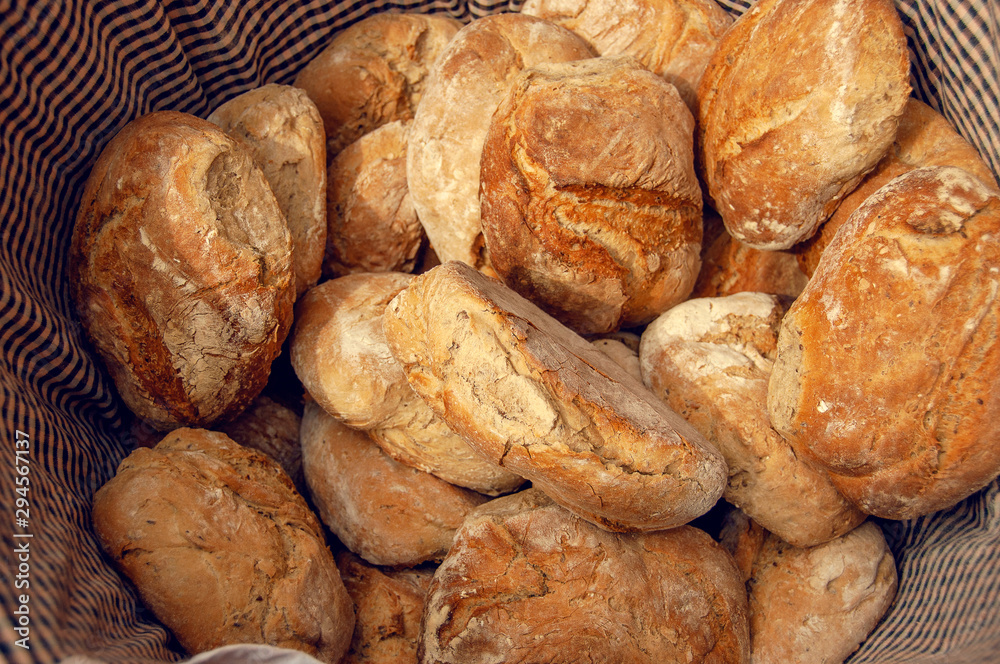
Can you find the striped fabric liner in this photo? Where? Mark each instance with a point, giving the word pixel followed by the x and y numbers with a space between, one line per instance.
pixel 73 72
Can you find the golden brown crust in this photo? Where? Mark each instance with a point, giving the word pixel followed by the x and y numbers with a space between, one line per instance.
pixel 709 359
pixel 887 362
pixel 222 548
pixel 372 226
pixel 374 72
pixel 284 132
pixel 800 100
pixel 541 401
pixel 818 604
pixel 590 203
pixel 387 513
pixel 389 605
pixel 925 138
pixel 526 581
pixel 446 139
pixel 671 38
pixel 181 271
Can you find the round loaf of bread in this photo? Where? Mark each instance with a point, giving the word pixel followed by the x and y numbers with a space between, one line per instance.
pixel 374 72
pixel 729 267
pixel 284 132
pixel 590 203
pixel 181 270
pixel 388 604
pixel 387 513
pixel 801 99
pixel 446 140
pixel 526 581
pixel 372 226
pixel 817 604
pixel 671 38
pixel 541 401
pixel 339 352
pixel 925 138
pixel 272 428
pixel 222 548
pixel 710 360
pixel 888 363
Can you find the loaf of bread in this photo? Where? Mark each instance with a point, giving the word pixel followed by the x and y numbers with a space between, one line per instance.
pixel 729 266
pixel 801 99
pixel 526 581
pixel 272 428
pixel 541 401
pixel 671 38
pixel 372 226
pixel 710 359
pixel 284 132
pixel 180 267
pixel 815 604
pixel 590 204
pixel 339 352
pixel 222 548
pixel 924 138
pixel 446 140
pixel 888 363
pixel 387 513
pixel 389 604
pixel 623 348
pixel 374 72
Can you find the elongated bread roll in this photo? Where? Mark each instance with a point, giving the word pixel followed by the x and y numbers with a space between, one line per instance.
pixel 541 401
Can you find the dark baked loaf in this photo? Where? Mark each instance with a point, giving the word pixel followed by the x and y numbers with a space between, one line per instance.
pixel 222 548
pixel 526 582
pixel 181 270
pixel 801 99
pixel 888 363
pixel 590 204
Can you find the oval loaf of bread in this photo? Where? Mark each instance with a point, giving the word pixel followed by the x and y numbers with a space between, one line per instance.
pixel 801 99
pixel 888 365
pixel 181 270
pixel 541 401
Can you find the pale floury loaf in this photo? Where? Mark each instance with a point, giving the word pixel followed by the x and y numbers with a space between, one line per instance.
pixel 446 140
pixel 284 132
pixel 801 99
pixel 888 362
pixel 339 352
pixel 374 72
pixel 812 605
pixel 222 548
pixel 527 581
pixel 710 360
pixel 541 401
pixel 590 204
pixel 181 270
pixel 671 38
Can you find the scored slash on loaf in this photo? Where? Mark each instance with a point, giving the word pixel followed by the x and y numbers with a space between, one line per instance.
pixel 541 401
